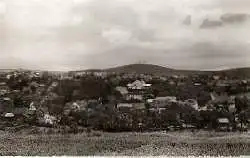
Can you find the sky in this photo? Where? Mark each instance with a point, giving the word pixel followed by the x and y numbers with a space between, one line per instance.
pixel 83 34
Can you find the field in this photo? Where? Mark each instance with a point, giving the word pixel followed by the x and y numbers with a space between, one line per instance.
pixel 131 144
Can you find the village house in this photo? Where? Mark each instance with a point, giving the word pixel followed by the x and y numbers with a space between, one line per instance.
pixel 136 90
pixel 19 114
pixel 54 84
pixel 138 97
pixel 223 124
pixel 138 85
pixel 80 73
pixel 32 107
pixel 216 77
pixel 65 76
pixel 157 110
pixel 131 106
pixel 139 106
pixel 6 104
pixel 197 84
pixel 47 120
pixel 123 91
pixel 8 116
pixel 4 89
pixel 207 107
pixel 192 103
pixel 101 74
pixel 171 82
pixel 124 106
pixel 219 98
pixel 162 102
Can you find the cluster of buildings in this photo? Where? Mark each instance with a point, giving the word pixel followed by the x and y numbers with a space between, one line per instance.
pixel 25 92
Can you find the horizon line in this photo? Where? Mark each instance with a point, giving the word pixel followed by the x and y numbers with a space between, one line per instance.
pixel 103 69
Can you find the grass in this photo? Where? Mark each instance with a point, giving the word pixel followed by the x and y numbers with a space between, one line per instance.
pixel 130 144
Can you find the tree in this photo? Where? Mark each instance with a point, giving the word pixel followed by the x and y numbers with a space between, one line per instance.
pixel 243 118
pixel 241 103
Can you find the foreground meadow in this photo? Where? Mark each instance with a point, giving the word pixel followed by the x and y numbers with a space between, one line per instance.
pixel 131 144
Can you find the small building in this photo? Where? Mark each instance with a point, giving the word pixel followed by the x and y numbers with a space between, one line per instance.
pixel 6 99
pixel 54 84
pixel 223 120
pixel 122 90
pixel 193 103
pixel 197 84
pixel 150 100
pixel 47 120
pixel 9 115
pixel 161 110
pixel 219 99
pixel 139 106
pixel 232 108
pixel 32 107
pixel 2 84
pixel 138 85
pixel 124 105
pixel 223 124
pixel 162 102
pixel 216 77
pixel 134 97
pixel 131 106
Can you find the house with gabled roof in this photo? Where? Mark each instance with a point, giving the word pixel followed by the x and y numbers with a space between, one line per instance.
pixel 138 85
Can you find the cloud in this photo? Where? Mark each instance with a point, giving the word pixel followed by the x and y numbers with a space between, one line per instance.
pixel 211 24
pixel 116 35
pixel 232 18
pixel 187 20
pixel 93 33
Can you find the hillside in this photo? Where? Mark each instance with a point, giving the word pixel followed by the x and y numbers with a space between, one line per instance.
pixel 237 72
pixel 160 70
pixel 152 69
pixel 141 68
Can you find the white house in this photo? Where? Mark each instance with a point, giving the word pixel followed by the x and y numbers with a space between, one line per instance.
pixel 138 85
pixel 122 90
pixel 32 107
pixel 9 115
pixel 124 105
pixel 134 97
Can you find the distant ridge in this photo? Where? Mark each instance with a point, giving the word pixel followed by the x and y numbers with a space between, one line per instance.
pixel 243 72
pixel 146 69
pixel 165 71
pixel 153 69
pixel 140 68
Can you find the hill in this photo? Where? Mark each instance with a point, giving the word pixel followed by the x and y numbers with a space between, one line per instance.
pixel 236 72
pixel 160 70
pixel 152 69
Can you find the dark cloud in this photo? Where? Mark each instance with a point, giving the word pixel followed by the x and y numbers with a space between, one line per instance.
pixel 231 18
pixel 207 24
pixel 144 35
pixel 210 51
pixel 187 20
pixel 225 19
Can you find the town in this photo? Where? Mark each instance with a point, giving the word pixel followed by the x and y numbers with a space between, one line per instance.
pixel 114 102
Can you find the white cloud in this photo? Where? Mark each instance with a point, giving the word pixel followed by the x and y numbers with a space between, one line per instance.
pixel 59 31
pixel 117 35
pixel 2 8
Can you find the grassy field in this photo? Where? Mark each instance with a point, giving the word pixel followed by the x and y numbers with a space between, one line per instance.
pixel 131 144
